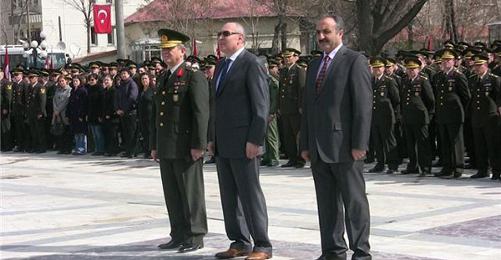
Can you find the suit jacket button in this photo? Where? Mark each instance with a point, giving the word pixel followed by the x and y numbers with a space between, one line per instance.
pixel 161 124
pixel 163 103
pixel 161 113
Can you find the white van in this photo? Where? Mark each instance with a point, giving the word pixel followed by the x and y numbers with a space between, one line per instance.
pixel 57 56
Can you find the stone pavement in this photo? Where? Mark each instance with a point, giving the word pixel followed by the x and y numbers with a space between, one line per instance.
pixel 67 207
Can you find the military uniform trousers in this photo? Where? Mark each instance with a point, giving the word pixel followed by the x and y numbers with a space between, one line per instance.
pixel 451 146
pixel 290 128
pixel 128 123
pixel 183 187
pixel 272 147
pixel 20 132
pixel 385 145
pixel 488 145
pixel 418 147
pixel 37 133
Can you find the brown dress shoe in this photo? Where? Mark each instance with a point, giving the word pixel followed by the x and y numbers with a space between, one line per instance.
pixel 232 253
pixel 258 256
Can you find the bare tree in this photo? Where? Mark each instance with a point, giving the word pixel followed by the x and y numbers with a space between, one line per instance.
pixel 85 7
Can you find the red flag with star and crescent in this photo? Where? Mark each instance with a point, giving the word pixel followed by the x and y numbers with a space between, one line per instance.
pixel 102 18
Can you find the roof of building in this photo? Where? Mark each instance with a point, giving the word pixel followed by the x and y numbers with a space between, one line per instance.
pixel 158 10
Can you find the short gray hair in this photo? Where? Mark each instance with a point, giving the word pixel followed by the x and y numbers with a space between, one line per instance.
pixel 239 28
pixel 338 19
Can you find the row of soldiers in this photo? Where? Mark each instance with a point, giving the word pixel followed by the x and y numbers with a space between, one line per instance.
pixel 425 104
pixel 124 108
pixel 439 103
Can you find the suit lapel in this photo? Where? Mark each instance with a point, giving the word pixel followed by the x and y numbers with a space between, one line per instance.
pixel 231 71
pixel 338 58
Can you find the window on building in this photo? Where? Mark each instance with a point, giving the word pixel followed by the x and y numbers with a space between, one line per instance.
pixel 93 36
pixel 111 36
pixel 109 1
pixel 35 2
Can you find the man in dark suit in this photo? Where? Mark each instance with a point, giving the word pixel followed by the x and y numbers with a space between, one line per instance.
pixel 242 104
pixel 178 138
pixel 334 136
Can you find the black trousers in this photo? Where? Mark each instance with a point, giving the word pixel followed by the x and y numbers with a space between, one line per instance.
pixel 64 142
pixel 290 127
pixel 488 146
pixel 468 141
pixel 183 186
pixel 128 123
pixel 418 147
pixel 20 132
pixel 244 205
pixel 451 146
pixel 110 129
pixel 385 146
pixel 37 133
pixel 341 186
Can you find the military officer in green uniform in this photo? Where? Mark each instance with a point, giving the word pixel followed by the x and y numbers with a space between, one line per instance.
pixel 272 154
pixel 292 81
pixel 417 102
pixel 18 112
pixel 178 140
pixel 36 98
pixel 6 109
pixel 485 117
pixel 451 99
pixel 385 104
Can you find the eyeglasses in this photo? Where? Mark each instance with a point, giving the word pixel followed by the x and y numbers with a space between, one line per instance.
pixel 226 33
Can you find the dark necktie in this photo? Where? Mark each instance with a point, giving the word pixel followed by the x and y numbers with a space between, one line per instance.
pixel 321 74
pixel 223 71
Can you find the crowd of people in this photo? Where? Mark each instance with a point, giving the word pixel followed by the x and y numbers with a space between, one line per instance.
pixel 441 104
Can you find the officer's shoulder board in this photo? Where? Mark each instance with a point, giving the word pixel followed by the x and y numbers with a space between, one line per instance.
pixel 423 77
pixel 493 75
pixel 458 71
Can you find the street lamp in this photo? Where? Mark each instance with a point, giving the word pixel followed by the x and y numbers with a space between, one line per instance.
pixel 36 49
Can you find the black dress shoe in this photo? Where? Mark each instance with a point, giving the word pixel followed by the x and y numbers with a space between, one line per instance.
pixel 377 168
pixel 409 171
pixel 390 171
pixel 288 164
pixel 190 247
pixel 457 174
pixel 299 165
pixel 443 173
pixel 170 245
pixel 496 176
pixel 369 160
pixel 480 174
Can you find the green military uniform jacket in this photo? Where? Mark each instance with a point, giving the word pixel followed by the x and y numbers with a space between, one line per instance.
pixel 417 101
pixel 36 99
pixel 452 97
pixel 385 101
pixel 6 104
pixel 486 98
pixel 292 82
pixel 18 99
pixel 181 113
pixel 274 91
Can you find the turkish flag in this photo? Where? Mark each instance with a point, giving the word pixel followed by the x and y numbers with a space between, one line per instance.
pixel 102 18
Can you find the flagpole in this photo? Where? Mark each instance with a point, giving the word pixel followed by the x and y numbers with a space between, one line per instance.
pixel 119 22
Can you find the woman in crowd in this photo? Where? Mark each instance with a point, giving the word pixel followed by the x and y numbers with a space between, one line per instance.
pixel 145 103
pixel 110 121
pixel 96 112
pixel 60 103
pixel 77 113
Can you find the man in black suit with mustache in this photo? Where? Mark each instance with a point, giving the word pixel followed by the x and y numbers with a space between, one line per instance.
pixel 334 135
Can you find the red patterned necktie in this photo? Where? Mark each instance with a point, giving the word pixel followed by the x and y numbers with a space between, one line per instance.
pixel 321 74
